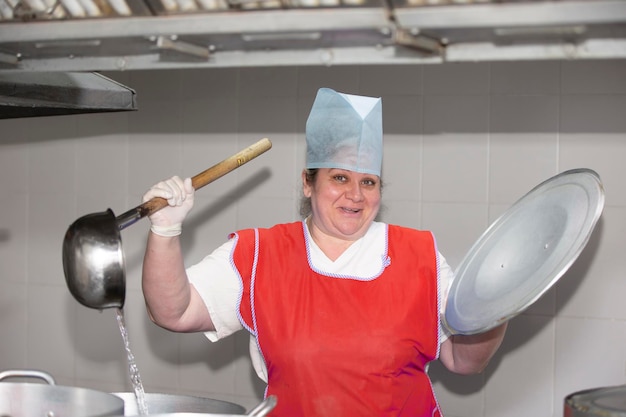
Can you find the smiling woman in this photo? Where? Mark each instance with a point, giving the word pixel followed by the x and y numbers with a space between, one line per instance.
pixel 343 312
pixel 344 205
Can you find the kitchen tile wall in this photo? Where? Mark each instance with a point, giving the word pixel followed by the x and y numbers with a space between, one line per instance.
pixel 463 142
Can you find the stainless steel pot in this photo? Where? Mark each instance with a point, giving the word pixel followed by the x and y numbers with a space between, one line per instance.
pixel 599 402
pixel 167 405
pixel 170 403
pixel 27 399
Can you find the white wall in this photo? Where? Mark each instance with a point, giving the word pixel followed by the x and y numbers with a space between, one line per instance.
pixel 463 142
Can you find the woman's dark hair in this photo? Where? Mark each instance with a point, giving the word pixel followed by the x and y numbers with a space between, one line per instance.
pixel 310 176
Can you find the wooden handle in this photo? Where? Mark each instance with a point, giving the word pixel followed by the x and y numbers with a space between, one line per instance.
pixel 229 164
pixel 208 176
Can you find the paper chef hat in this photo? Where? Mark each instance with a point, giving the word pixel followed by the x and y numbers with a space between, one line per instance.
pixel 345 131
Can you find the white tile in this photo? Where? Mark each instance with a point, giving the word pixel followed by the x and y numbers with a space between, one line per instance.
pixel 50 129
pixel 594 285
pixel 49 157
pixel 274 119
pixel 458 395
pixel 520 377
pixel 14 238
pixel 157 117
pixel 456 78
pixel 344 79
pixel 209 115
pixel 51 340
pixel 134 246
pixel 203 151
pixel 102 163
pixel 401 115
pixel 264 212
pixel 268 82
pixel 592 115
pixel 401 212
pixel 589 354
pixel 207 366
pixel 599 147
pixel 524 114
pixel 210 137
pixel 153 158
pixel 545 305
pixel 398 80
pixel 455 168
pixel 156 85
pixel 593 77
pixel 402 168
pixel 526 77
pixel 272 173
pixel 14 324
pixel 267 114
pixel 518 162
pixel 121 77
pixel 456 114
pixel 497 210
pixel 100 351
pixel 105 125
pixel 209 83
pixel 98 204
pixel 208 226
pixel 456 227
pixel 14 158
pixel 156 351
pixel 48 222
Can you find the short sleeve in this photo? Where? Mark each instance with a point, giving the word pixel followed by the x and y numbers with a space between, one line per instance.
pixel 219 287
pixel 446 276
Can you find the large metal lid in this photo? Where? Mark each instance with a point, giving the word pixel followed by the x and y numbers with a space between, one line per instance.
pixel 524 252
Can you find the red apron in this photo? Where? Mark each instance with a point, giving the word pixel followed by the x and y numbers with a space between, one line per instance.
pixel 342 346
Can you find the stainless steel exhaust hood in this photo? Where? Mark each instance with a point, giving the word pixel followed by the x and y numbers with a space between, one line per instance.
pixel 94 35
pixel 30 94
pixel 56 40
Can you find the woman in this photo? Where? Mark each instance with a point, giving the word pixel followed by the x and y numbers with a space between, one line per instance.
pixel 346 319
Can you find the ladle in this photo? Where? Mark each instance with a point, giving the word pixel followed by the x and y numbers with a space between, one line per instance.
pixel 93 260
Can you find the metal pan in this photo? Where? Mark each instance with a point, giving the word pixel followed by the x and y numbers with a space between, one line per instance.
pixel 524 252
pixel 27 399
pixel 189 406
pixel 158 403
pixel 93 259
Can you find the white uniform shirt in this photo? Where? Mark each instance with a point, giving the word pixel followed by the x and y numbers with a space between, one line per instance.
pixel 219 286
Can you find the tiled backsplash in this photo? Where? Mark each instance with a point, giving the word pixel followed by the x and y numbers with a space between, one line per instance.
pixel 462 143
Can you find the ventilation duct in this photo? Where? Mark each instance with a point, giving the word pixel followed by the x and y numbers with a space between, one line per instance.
pixel 115 35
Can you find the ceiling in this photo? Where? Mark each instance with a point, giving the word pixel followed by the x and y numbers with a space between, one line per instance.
pixel 109 35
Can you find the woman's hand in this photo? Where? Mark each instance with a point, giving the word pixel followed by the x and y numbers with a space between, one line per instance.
pixel 470 354
pixel 179 195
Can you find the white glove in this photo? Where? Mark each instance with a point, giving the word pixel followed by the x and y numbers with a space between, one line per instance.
pixel 179 195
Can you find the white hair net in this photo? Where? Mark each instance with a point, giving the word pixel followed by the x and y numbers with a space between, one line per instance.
pixel 345 131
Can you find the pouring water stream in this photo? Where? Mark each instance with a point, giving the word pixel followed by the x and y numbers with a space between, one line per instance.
pixel 135 377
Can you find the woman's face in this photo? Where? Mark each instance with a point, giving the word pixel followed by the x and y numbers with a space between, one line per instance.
pixel 344 203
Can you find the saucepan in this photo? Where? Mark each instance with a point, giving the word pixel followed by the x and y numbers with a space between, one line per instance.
pixel 171 405
pixel 93 260
pixel 28 399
